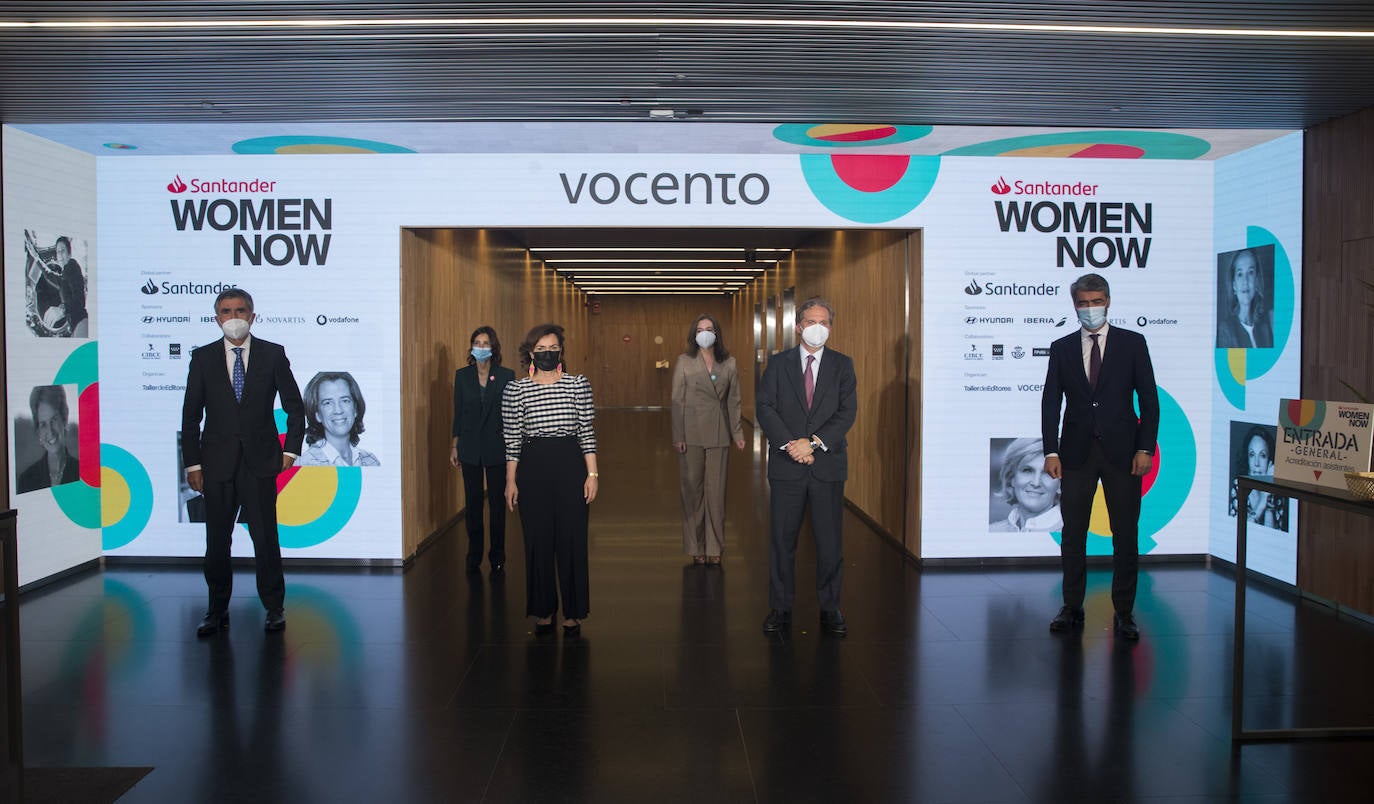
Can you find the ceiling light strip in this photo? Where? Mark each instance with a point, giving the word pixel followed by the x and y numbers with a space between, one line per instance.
pixel 678 22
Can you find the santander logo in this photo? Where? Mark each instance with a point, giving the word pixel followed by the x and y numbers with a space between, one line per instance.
pixel 1001 187
pixel 177 185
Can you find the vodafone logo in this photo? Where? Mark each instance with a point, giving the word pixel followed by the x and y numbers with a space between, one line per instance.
pixel 177 185
pixel 1001 187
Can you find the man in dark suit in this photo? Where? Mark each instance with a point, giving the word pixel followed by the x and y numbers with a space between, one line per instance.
pixel 805 404
pixel 234 461
pixel 1096 373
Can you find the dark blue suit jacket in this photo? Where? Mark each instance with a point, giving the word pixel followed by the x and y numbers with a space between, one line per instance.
pixel 477 418
pixel 1107 412
pixel 780 407
pixel 233 428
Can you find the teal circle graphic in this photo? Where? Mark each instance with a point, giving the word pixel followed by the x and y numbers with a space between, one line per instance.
pixel 1258 362
pixel 799 134
pixel 78 501
pixel 1177 456
pixel 140 497
pixel 334 518
pixel 273 145
pixel 865 207
pixel 1314 423
pixel 1155 144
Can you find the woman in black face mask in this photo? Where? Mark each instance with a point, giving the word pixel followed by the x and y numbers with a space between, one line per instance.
pixel 551 475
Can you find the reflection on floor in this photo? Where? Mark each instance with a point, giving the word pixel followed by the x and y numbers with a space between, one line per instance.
pixel 428 685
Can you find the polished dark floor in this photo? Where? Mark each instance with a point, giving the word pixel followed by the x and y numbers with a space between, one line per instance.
pixel 428 685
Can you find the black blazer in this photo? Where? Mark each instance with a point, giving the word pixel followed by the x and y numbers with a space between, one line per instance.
pixel 233 428
pixel 1107 412
pixel 36 475
pixel 780 408
pixel 477 418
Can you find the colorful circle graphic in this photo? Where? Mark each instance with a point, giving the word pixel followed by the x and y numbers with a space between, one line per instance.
pixel 1165 487
pixel 121 146
pixel 1093 145
pixel 870 188
pixel 1234 367
pixel 314 502
pixel 300 144
pixel 838 135
pixel 1307 414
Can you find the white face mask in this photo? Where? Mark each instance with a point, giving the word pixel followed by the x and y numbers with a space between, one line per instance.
pixel 816 335
pixel 235 329
pixel 1092 317
pixel 706 339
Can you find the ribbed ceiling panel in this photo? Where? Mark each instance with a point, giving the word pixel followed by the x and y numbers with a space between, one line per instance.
pixel 761 72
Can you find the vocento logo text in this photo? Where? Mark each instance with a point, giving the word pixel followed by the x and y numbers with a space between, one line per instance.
pixel 1082 218
pixel 667 189
pixel 267 219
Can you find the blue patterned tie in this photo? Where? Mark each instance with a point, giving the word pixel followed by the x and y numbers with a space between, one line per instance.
pixel 238 373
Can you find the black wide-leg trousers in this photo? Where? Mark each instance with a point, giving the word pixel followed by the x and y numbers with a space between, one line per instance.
pixel 553 516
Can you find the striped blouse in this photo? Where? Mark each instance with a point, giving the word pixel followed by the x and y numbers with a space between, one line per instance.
pixel 563 408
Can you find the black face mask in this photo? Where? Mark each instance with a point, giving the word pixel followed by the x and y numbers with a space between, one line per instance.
pixel 546 361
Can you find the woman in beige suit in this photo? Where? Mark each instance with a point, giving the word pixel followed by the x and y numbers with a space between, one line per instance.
pixel 705 421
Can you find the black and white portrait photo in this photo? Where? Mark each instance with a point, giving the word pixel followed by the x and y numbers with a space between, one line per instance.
pixel 1245 298
pixel 1021 497
pixel 55 287
pixel 1252 453
pixel 334 409
pixel 45 439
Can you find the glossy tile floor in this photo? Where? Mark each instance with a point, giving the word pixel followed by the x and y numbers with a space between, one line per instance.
pixel 428 685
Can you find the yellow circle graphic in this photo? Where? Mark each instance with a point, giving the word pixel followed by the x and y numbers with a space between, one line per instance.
pixel 308 495
pixel 114 496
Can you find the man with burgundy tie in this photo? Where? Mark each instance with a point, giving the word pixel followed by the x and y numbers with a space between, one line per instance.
pixel 1097 373
pixel 805 403
pixel 234 461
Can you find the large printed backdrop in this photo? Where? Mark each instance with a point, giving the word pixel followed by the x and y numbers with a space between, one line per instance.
pixel 315 238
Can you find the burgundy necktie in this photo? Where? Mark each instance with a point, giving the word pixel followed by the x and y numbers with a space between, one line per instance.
pixel 1094 361
pixel 809 380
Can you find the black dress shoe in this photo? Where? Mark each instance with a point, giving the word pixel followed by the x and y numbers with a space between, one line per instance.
pixel 832 622
pixel 776 621
pixel 1124 625
pixel 543 629
pixel 212 622
pixel 1067 618
pixel 572 630
pixel 276 621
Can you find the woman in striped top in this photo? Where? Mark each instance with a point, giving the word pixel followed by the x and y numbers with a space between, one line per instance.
pixel 551 475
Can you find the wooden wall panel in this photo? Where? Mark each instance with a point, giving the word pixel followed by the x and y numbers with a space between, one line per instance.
pixel 623 373
pixel 864 275
pixel 1336 550
pixel 453 281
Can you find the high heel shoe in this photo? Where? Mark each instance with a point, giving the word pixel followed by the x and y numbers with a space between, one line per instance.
pixel 543 629
pixel 715 560
pixel 698 559
pixel 572 630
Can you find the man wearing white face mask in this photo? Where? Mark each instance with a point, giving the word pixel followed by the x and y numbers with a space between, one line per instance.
pixel 805 404
pixel 1096 373
pixel 235 459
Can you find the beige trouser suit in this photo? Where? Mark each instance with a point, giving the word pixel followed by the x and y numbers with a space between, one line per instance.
pixel 706 416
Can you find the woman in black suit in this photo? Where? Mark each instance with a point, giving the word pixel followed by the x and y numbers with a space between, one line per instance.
pixel 478 445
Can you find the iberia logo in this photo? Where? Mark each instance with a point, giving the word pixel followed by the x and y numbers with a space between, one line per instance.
pixel 177 185
pixel 1001 187
pixel 865 188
